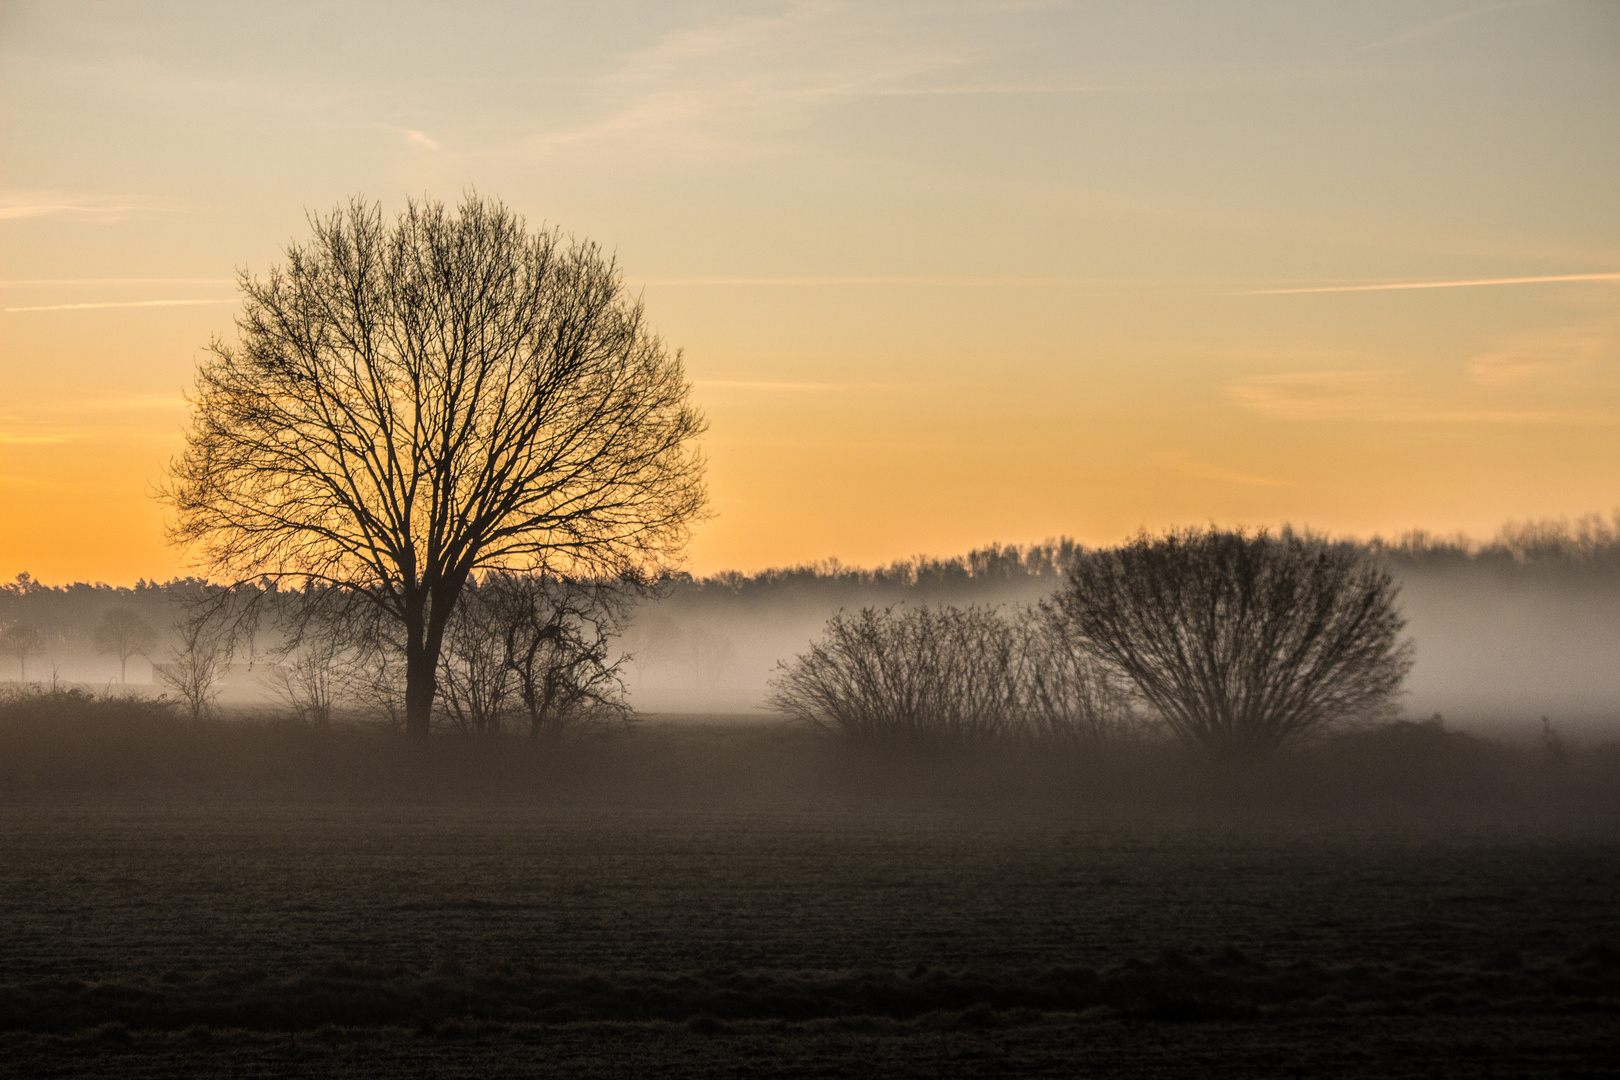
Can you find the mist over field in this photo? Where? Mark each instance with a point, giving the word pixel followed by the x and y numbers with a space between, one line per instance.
pixel 1506 632
pixel 1504 635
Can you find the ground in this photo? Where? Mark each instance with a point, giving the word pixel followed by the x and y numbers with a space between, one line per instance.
pixel 702 934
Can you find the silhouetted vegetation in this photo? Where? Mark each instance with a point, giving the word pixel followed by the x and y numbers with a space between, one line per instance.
pixel 19 641
pixel 1588 547
pixel 410 406
pixel 1506 631
pixel 68 743
pixel 123 633
pixel 950 676
pixel 531 653
pixel 1242 642
pixel 196 664
pixel 1233 642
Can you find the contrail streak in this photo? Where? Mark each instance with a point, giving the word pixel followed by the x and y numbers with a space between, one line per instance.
pixel 121 303
pixel 1389 286
pixel 792 281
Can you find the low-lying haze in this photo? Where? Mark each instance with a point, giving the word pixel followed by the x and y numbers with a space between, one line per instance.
pixel 1506 633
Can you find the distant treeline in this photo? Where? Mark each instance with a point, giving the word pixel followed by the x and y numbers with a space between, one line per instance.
pixel 52 631
pixel 1526 622
pixel 1587 546
pixel 1590 545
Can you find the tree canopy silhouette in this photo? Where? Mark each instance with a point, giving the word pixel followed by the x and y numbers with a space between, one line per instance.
pixel 20 640
pixel 413 404
pixel 1243 642
pixel 123 633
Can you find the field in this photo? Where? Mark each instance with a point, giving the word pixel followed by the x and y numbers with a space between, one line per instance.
pixel 710 902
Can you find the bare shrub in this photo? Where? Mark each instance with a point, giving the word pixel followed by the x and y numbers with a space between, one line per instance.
pixel 528 651
pixel 558 636
pixel 1242 642
pixel 913 675
pixel 196 665
pixel 375 686
pixel 475 685
pixel 311 675
pixel 352 653
pixel 1065 694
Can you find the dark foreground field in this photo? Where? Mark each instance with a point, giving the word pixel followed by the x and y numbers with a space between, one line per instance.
pixel 714 903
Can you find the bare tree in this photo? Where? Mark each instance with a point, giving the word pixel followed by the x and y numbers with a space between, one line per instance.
pixel 558 637
pixel 337 646
pixel 124 634
pixel 529 649
pixel 414 404
pixel 475 683
pixel 711 653
pixel 196 665
pixel 1242 642
pixel 19 640
pixel 952 674
pixel 651 637
pixel 312 673
pixel 372 677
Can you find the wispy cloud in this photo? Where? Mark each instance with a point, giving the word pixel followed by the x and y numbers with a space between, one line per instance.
pixel 736 85
pixel 732 81
pixel 1460 283
pixel 1552 357
pixel 770 386
pixel 1377 396
pixel 414 137
pixel 126 403
pixel 881 280
pixel 774 386
pixel 1143 80
pixel 1313 395
pixel 29 283
pixel 116 304
pixel 16 438
pixel 1435 26
pixel 1111 286
pixel 76 205
pixel 1202 470
pixel 45 420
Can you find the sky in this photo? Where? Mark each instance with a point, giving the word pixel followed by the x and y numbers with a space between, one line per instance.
pixel 944 274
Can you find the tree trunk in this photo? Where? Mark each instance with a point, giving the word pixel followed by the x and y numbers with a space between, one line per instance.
pixel 424 639
pixel 421 684
pixel 421 674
